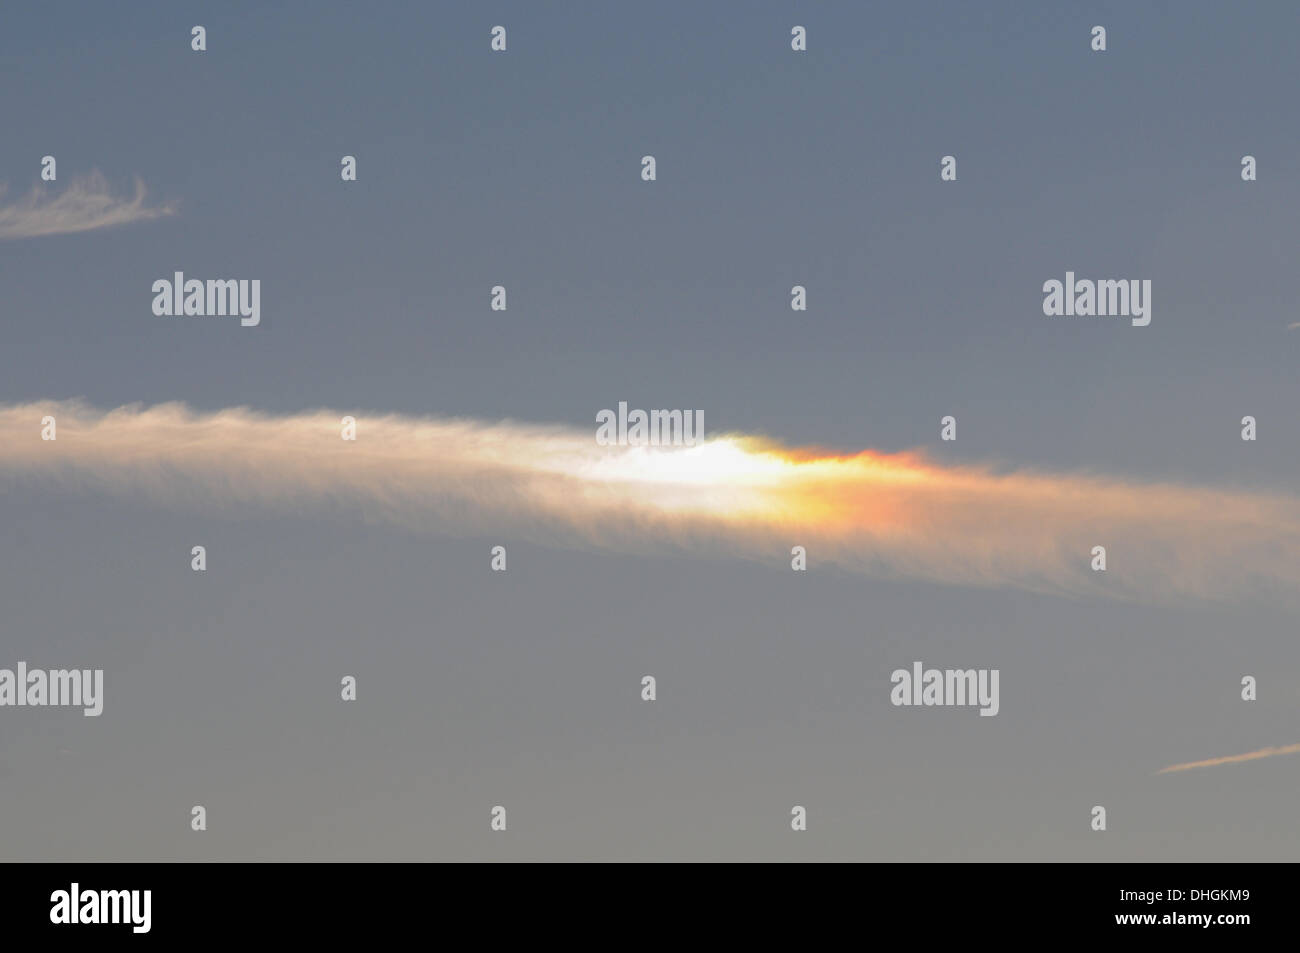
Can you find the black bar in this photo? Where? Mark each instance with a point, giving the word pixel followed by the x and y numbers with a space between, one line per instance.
pixel 333 902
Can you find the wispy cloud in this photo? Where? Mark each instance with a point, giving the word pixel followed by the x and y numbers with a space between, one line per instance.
pixel 85 204
pixel 894 515
pixel 1233 758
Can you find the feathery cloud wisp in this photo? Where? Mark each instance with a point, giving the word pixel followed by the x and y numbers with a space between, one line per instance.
pixel 86 204
pixel 895 515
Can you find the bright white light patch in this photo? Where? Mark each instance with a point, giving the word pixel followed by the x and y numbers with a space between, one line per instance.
pixel 714 463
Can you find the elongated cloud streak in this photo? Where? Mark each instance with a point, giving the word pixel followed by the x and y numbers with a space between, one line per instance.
pixel 1233 758
pixel 897 515
pixel 87 203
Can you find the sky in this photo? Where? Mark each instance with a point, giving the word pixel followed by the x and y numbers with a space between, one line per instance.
pixel 523 688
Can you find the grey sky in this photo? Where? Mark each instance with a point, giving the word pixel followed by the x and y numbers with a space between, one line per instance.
pixel 522 169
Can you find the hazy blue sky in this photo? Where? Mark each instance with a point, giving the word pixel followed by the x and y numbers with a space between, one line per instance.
pixel 523 169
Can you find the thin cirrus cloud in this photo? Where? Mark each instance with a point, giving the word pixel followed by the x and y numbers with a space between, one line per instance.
pixel 1233 758
pixel 891 515
pixel 86 204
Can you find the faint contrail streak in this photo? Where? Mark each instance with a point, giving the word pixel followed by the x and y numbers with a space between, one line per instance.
pixel 897 515
pixel 1233 758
